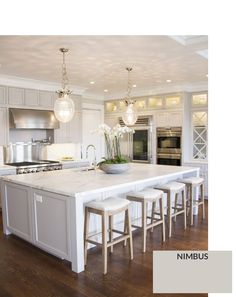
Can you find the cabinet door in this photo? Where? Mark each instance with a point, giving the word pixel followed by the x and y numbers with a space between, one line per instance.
pixel 51 220
pixel 77 101
pixel 18 209
pixel 15 96
pixel 91 119
pixel 162 119
pixel 46 99
pixel 4 126
pixel 3 95
pixel 175 118
pixel 75 128
pixel 31 97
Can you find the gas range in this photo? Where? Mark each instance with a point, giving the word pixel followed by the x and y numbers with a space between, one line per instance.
pixel 35 166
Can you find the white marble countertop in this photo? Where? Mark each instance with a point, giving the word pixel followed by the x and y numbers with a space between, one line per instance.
pixel 72 182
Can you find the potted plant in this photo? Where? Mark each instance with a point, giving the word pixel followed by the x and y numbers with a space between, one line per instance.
pixel 114 162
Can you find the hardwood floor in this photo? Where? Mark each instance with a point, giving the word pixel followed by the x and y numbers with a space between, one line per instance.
pixel 26 271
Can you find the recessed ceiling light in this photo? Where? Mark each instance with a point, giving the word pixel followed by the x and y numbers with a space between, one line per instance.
pixel 168 80
pixel 105 90
pixel 206 75
pixel 134 86
pixel 92 82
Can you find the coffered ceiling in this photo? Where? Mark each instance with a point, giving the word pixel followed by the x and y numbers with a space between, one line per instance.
pixel 102 60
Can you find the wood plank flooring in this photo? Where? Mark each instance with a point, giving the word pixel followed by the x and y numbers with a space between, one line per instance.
pixel 26 271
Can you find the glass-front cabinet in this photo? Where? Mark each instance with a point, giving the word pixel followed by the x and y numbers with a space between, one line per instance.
pixel 199 126
pixel 154 102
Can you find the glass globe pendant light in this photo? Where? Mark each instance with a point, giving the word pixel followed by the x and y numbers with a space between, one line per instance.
pixel 64 107
pixel 130 116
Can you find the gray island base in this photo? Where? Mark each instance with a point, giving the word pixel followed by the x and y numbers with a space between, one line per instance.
pixel 47 209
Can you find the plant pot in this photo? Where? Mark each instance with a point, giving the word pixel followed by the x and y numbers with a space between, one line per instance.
pixel 114 168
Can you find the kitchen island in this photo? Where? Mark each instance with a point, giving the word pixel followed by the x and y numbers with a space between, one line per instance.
pixel 47 208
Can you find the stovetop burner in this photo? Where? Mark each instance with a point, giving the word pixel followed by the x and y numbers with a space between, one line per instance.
pixel 35 166
pixel 32 163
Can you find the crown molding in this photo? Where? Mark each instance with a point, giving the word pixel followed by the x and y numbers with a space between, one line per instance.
pixel 162 89
pixel 22 82
pixel 189 39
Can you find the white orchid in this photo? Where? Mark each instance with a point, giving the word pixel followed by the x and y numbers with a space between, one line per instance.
pixel 112 138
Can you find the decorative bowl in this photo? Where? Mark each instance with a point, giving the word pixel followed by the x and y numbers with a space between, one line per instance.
pixel 114 168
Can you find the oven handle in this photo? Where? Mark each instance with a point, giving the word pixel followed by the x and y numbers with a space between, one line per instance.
pixel 169 156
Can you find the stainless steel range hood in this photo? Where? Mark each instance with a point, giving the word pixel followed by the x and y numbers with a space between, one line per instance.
pixel 32 119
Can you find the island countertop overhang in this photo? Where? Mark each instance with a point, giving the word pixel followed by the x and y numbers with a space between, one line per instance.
pixel 74 182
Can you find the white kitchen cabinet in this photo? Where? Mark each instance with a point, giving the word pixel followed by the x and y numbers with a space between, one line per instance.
pixel 51 216
pixel 46 99
pixel 91 119
pixel 18 207
pixel 3 96
pixel 3 125
pixel 169 119
pixel 31 97
pixel 16 96
pixel 6 171
pixel 77 101
pixel 111 121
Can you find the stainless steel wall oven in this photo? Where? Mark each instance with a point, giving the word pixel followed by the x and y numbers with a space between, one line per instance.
pixel 169 146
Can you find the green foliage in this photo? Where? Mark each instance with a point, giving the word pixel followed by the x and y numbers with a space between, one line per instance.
pixel 117 160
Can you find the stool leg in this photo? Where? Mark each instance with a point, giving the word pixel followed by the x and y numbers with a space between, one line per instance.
pixel 125 228
pixel 203 202
pixel 144 224
pixel 153 213
pixel 169 212
pixel 86 231
pixel 104 242
pixel 111 232
pixel 127 212
pixel 162 218
pixel 176 202
pixel 187 199
pixel 191 204
pixel 184 207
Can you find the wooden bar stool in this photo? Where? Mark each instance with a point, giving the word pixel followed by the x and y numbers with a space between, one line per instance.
pixel 176 189
pixel 191 184
pixel 107 209
pixel 145 196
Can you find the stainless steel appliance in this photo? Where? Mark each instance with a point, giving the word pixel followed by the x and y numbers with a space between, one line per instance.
pixel 137 145
pixel 32 119
pixel 169 146
pixel 35 166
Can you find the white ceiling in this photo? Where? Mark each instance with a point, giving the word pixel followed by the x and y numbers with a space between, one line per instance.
pixel 103 59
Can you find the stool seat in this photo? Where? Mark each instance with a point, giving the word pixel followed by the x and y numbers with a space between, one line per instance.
pixel 109 204
pixel 147 194
pixel 172 186
pixel 192 180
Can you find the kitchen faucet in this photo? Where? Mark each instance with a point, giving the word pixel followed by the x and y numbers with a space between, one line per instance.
pixel 94 152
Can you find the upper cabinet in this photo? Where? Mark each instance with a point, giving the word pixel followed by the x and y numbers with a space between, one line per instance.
pixel 46 99
pixel 199 100
pixel 146 103
pixel 3 95
pixel 31 97
pixel 4 126
pixel 15 96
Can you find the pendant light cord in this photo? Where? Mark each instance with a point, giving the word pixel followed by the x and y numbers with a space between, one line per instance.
pixel 65 80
